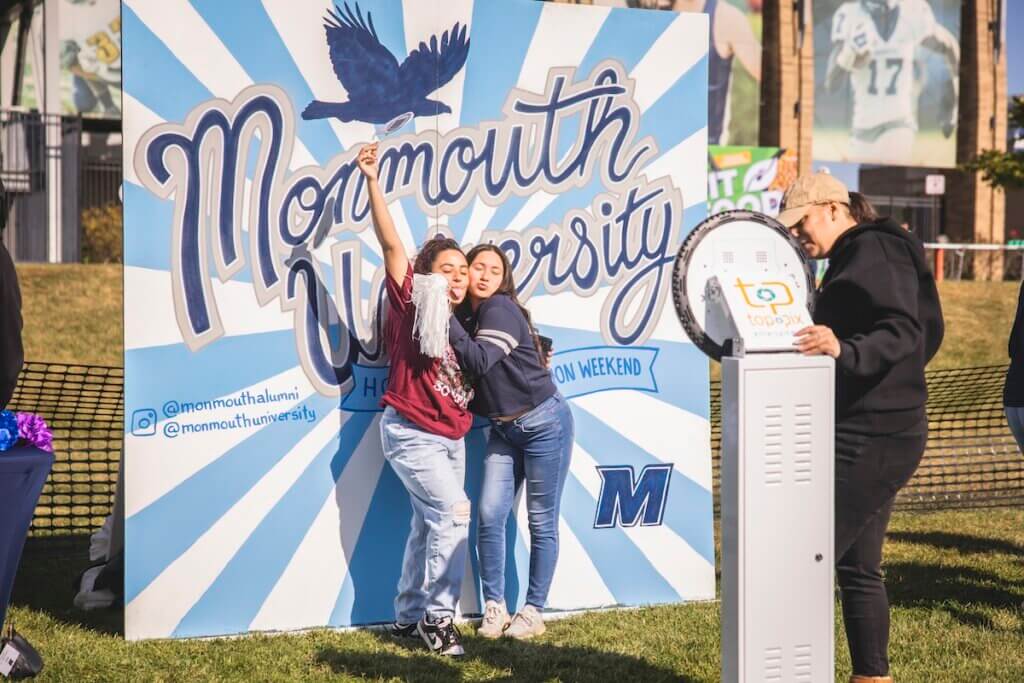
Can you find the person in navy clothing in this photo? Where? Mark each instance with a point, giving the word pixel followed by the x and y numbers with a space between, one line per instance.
pixel 531 436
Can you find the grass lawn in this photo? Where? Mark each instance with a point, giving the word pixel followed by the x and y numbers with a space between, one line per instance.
pixel 956 579
pixel 73 315
pixel 978 316
pixel 956 583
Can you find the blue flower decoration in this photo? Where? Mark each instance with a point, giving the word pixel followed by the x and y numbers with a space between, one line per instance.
pixel 8 430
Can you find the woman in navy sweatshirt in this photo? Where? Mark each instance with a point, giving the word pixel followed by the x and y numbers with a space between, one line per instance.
pixel 531 436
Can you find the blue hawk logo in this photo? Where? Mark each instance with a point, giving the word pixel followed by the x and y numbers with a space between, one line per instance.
pixel 379 90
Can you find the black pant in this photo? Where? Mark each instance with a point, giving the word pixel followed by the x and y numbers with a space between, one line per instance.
pixel 869 472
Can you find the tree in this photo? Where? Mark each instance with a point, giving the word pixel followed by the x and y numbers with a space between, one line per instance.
pixel 1003 169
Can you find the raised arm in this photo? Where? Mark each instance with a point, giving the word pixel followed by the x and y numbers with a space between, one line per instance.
pixel 396 261
pixel 740 38
pixel 497 336
pixel 942 41
pixel 834 74
pixel 851 47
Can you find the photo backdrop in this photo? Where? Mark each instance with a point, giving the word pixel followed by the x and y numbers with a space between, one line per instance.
pixel 575 137
pixel 734 95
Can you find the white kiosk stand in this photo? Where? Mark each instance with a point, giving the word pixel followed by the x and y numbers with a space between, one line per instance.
pixel 742 289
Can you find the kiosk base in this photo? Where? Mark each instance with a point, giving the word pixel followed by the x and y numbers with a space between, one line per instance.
pixel 777 490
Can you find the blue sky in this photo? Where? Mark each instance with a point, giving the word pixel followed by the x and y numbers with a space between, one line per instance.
pixel 1015 45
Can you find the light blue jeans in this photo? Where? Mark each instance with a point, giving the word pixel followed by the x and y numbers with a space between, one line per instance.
pixel 535 449
pixel 433 470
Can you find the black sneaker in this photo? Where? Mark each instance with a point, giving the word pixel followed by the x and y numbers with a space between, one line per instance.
pixel 400 630
pixel 442 637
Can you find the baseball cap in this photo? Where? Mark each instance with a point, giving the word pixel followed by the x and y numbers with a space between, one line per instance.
pixel 808 190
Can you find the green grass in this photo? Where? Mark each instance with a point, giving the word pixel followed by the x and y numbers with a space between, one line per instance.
pixel 956 583
pixel 956 579
pixel 72 313
pixel 978 316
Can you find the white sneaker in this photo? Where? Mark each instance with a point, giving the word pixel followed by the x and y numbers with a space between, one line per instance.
pixel 495 620
pixel 88 598
pixel 527 623
pixel 442 637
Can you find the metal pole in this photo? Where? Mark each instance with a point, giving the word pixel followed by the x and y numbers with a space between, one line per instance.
pixel 51 116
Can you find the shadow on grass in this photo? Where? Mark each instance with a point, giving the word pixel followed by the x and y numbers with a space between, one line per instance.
pixel 962 592
pixel 517 660
pixel 44 583
pixel 960 542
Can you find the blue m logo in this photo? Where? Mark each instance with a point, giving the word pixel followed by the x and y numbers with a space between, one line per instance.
pixel 626 501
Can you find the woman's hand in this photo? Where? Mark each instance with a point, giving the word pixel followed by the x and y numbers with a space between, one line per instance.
pixel 367 161
pixel 817 340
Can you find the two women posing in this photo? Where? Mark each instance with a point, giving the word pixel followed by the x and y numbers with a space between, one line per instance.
pixel 458 344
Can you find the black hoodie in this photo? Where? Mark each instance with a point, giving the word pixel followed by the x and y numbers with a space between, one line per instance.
pixel 1013 390
pixel 880 299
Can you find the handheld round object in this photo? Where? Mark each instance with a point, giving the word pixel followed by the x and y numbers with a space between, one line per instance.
pixel 397 122
pixel 734 243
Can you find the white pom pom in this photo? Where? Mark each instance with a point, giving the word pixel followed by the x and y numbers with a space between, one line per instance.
pixel 433 311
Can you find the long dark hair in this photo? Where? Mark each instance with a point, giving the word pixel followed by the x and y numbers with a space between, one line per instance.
pixel 508 288
pixel 861 209
pixel 424 262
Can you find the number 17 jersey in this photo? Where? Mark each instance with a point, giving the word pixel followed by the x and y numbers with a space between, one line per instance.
pixel 883 89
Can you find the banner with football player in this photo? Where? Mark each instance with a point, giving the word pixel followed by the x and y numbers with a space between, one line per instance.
pixel 886 81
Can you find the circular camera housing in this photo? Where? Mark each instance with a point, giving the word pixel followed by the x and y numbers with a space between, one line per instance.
pixel 731 243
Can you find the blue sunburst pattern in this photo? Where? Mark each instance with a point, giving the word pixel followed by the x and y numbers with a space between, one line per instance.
pixel 257 497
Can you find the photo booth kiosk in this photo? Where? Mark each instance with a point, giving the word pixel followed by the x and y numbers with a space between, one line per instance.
pixel 742 288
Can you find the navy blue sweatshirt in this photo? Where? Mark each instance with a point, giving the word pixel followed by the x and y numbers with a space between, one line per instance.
pixel 495 348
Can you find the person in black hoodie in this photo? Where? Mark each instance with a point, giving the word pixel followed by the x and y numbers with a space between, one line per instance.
pixel 1013 389
pixel 878 314
pixel 12 356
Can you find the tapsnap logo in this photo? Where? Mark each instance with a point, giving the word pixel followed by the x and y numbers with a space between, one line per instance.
pixel 771 294
pixel 767 303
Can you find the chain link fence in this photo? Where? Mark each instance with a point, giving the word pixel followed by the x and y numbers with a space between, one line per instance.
pixel 972 460
pixel 84 407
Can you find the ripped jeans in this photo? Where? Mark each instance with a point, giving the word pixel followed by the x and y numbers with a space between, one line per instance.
pixel 433 470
